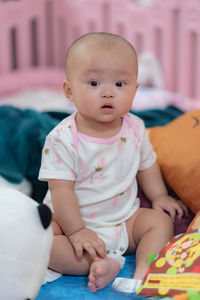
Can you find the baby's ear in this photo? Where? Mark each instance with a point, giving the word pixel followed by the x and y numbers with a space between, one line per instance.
pixel 67 90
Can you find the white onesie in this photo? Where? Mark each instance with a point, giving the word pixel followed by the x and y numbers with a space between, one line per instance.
pixel 104 172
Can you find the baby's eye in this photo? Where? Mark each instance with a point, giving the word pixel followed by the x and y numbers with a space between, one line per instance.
pixel 94 83
pixel 119 83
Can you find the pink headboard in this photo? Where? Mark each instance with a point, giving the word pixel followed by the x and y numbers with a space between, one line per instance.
pixel 35 35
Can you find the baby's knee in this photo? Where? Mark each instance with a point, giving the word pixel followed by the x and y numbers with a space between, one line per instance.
pixel 164 222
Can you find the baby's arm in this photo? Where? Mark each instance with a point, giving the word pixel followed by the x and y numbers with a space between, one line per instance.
pixel 67 214
pixel 153 186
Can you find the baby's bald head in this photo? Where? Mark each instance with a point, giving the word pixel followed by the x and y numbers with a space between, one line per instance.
pixel 98 40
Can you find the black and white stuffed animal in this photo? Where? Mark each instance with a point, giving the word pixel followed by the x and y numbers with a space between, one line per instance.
pixel 25 244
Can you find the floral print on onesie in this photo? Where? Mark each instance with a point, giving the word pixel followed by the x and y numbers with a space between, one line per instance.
pixel 104 172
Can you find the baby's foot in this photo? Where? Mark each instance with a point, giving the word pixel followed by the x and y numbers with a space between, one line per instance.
pixel 102 272
pixel 126 285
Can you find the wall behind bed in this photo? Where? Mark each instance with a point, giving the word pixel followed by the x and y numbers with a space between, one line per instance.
pixel 34 36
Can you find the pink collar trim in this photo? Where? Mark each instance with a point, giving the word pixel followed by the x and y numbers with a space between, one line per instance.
pixel 111 140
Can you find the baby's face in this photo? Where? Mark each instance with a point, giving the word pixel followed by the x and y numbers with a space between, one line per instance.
pixel 103 81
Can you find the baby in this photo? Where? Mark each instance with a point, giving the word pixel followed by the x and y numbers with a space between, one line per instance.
pixel 93 162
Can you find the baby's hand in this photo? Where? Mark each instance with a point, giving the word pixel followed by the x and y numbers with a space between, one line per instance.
pixel 86 239
pixel 170 205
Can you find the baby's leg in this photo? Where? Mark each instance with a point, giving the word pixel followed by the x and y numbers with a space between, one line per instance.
pixel 149 230
pixel 63 260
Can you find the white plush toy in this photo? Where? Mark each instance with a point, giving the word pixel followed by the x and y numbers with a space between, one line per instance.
pixel 25 244
pixel 150 71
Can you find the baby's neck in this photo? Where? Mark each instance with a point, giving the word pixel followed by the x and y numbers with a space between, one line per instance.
pixel 98 129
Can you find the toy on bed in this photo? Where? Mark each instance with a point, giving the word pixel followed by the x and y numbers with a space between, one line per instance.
pixel 149 71
pixel 26 239
pixel 176 269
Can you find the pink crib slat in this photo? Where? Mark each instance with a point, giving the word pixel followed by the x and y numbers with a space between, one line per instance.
pixel 25 46
pixel 14 18
pixel 72 19
pixel 5 61
pixel 145 27
pixel 189 60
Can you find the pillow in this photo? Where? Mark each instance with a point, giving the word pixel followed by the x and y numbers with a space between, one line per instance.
pixel 195 224
pixel 177 145
pixel 176 270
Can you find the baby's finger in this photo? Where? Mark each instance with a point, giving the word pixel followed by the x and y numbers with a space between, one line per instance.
pixel 184 207
pixel 90 249
pixel 101 250
pixel 179 210
pixel 78 250
pixel 172 212
pixel 100 247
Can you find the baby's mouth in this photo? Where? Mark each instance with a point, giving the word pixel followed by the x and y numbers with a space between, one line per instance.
pixel 107 106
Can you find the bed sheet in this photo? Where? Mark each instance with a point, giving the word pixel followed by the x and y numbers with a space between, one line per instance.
pixel 40 99
pixel 75 287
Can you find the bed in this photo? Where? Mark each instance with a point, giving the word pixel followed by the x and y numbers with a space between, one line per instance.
pixel 34 38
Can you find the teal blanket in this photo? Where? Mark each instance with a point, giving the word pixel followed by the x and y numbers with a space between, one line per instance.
pixel 22 135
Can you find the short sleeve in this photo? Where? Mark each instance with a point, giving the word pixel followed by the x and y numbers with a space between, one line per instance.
pixel 148 155
pixel 58 158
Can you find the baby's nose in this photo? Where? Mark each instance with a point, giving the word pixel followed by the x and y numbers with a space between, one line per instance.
pixel 107 93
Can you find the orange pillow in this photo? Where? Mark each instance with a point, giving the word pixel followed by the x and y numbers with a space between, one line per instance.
pixel 177 145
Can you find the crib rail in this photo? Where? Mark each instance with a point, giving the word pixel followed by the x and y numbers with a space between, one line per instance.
pixel 35 35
